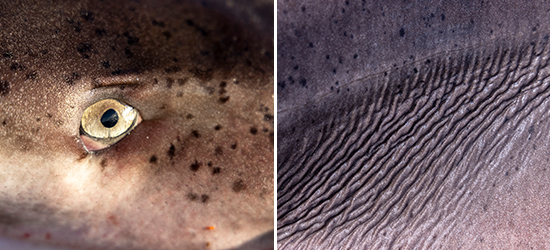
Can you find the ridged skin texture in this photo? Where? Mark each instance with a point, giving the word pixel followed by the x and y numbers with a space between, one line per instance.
pixel 437 149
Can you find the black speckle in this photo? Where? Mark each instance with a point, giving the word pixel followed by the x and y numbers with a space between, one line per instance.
pixel 253 130
pixel 159 24
pixel 103 163
pixel 132 40
pixel 355 56
pixel 268 117
pixel 100 32
pixel 17 66
pixel 172 69
pixel 70 79
pixel 328 57
pixel 181 82
pixel 303 8
pixel 282 84
pixel 83 48
pixel 442 17
pixel 32 75
pixel 128 53
pixel 204 52
pixel 169 82
pixel 198 28
pixel 341 60
pixel 310 45
pixel 87 15
pixel 343 10
pixel 428 61
pixel 106 64
pixel 218 127
pixel 239 186
pixel 196 133
pixel 116 72
pixel 189 116
pixel 192 196
pixel 172 151
pixel 153 159
pixel 195 166
pixel 296 67
pixel 4 123
pixel 204 198
pixel 216 171
pixel 402 32
pixel 209 164
pixel 234 146
pixel 218 151
pixel 7 54
pixel 167 34
pixel 4 89
pixel 224 99
pixel 303 82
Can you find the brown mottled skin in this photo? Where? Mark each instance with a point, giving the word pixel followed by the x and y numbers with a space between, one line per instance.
pixel 197 173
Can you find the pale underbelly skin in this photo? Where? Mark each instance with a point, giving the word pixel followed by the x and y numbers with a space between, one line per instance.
pixel 196 173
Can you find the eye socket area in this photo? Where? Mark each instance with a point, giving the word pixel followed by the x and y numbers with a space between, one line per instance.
pixel 106 122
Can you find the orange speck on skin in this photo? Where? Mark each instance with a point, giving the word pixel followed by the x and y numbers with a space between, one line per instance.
pixel 210 228
pixel 207 244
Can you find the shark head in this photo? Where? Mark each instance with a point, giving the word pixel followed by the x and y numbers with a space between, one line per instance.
pixel 180 151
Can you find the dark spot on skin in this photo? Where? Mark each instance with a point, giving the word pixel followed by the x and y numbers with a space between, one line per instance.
pixel 48 236
pixel 303 82
pixel 103 164
pixel 402 32
pixel 265 130
pixel 201 30
pixel 106 64
pixel 239 186
pixel 282 84
pixel 268 117
pixel 100 32
pixel 7 54
pixel 253 130
pixel 209 164
pixel 428 61
pixel 204 75
pixel 218 151
pixel 32 76
pixel 204 52
pixel 167 34
pixel 303 8
pixel 4 123
pixel 44 51
pixel 204 198
pixel 189 116
pixel 128 53
pixel 234 146
pixel 355 56
pixel 442 17
pixel 223 84
pixel 4 89
pixel 179 94
pixel 216 171
pixel 310 45
pixel 87 15
pixel 159 24
pixel 218 127
pixel 172 69
pixel 181 82
pixel 196 133
pixel 169 82
pixel 224 99
pixel 192 196
pixel 296 67
pixel 172 151
pixel 70 79
pixel 153 159
pixel 131 40
pixel 195 166
pixel 17 66
pixel 116 72
pixel 84 48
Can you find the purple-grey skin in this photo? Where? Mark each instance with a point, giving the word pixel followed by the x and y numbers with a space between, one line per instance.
pixel 196 173
pixel 413 124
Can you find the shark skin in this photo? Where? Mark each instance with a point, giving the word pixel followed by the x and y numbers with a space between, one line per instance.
pixel 196 173
pixel 413 124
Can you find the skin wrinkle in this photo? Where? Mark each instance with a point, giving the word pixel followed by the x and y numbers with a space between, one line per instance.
pixel 173 62
pixel 421 140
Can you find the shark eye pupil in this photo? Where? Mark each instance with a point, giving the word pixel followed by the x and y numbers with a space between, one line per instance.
pixel 109 118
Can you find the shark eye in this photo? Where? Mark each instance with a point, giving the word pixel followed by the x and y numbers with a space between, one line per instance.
pixel 106 122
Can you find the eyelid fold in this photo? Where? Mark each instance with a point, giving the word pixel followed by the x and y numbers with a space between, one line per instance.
pixel 97 135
